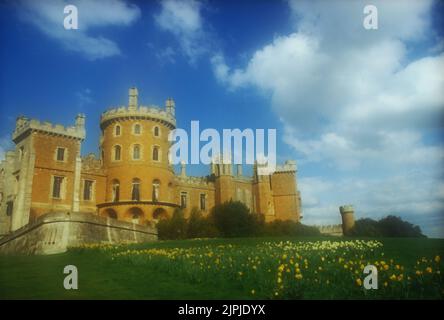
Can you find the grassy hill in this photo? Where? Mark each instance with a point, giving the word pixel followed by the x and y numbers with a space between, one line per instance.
pixel 248 268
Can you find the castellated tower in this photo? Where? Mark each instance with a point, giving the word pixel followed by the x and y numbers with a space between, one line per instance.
pixel 134 150
pixel 224 184
pixel 348 218
pixel 44 170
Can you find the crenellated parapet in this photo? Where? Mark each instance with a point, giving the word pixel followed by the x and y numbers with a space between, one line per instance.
pixel 194 181
pixel 288 166
pixel 134 111
pixel 25 125
pixel 90 164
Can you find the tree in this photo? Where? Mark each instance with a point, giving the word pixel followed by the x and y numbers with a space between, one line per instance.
pixel 366 228
pixel 233 219
pixel 199 226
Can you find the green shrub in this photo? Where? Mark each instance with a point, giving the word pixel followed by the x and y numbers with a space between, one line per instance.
pixel 366 228
pixel 199 226
pixel 390 226
pixel 233 219
pixel 289 228
pixel 174 228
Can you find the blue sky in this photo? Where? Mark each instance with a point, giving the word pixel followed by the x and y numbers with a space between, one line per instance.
pixel 361 111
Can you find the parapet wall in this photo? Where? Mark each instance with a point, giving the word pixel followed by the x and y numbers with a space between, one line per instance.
pixel 55 232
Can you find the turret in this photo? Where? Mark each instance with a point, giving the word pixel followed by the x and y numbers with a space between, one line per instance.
pixel 80 121
pixel 348 218
pixel 170 106
pixel 133 99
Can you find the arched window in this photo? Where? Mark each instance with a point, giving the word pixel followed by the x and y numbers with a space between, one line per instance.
pixel 117 130
pixel 135 190
pixel 136 152
pixel 156 153
pixel 156 131
pixel 117 152
pixel 116 190
pixel 137 128
pixel 156 190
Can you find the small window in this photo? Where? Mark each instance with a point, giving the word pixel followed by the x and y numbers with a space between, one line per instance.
pixel 136 152
pixel 183 200
pixel 156 153
pixel 117 153
pixel 57 187
pixel 202 202
pixel 156 131
pixel 9 208
pixel 137 129
pixel 87 190
pixel 117 131
pixel 135 192
pixel 60 154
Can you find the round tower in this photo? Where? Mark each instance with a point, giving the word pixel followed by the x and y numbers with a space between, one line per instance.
pixel 134 149
pixel 348 218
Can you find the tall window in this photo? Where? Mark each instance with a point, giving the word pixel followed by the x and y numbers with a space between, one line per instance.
pixel 156 153
pixel 136 152
pixel 137 128
pixel 60 154
pixel 57 187
pixel 117 130
pixel 156 190
pixel 156 131
pixel 135 190
pixel 21 153
pixel 9 208
pixel 203 204
pixel 117 152
pixel 87 190
pixel 116 190
pixel 183 199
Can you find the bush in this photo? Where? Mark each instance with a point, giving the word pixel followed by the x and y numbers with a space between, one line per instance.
pixel 289 228
pixel 389 226
pixel 230 219
pixel 199 226
pixel 366 228
pixel 233 219
pixel 392 226
pixel 174 228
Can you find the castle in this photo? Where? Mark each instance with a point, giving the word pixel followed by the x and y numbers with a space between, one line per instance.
pixel 132 181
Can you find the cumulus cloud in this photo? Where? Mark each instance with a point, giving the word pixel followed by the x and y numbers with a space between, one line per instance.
pixel 356 102
pixel 48 17
pixel 183 19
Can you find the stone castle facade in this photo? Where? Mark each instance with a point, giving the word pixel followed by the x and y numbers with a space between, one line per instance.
pixel 132 180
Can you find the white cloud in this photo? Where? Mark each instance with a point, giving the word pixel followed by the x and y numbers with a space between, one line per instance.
pixel 355 102
pixel 48 17
pixel 183 19
pixel 84 97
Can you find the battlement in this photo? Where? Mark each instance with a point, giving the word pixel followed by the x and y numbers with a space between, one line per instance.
pixel 288 166
pixel 346 209
pixel 133 110
pixel 144 112
pixel 90 164
pixel 24 124
pixel 195 181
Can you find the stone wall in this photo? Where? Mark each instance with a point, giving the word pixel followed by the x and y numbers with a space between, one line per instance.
pixel 55 232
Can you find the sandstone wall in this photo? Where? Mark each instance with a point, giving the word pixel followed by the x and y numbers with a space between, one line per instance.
pixel 55 232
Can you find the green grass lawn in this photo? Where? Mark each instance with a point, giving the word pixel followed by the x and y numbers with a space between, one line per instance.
pixel 165 273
